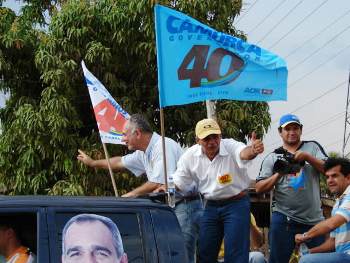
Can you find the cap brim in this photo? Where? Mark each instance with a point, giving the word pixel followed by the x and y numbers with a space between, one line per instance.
pixel 204 134
pixel 289 122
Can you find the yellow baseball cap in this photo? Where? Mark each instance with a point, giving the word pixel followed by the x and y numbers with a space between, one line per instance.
pixel 207 127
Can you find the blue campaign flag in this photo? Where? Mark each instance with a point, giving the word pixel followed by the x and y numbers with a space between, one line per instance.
pixel 197 63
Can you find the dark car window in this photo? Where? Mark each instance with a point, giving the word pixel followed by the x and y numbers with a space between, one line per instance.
pixel 25 227
pixel 128 225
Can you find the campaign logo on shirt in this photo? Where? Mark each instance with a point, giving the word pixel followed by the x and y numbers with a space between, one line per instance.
pixel 297 181
pixel 225 179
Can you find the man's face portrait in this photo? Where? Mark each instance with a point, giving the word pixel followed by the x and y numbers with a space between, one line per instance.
pixel 90 242
pixel 291 134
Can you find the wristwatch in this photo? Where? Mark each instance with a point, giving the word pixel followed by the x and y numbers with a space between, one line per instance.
pixel 305 236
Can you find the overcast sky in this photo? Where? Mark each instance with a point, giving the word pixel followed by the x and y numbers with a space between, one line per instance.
pixel 314 39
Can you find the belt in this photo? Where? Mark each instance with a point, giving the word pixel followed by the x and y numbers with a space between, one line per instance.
pixel 187 199
pixel 225 201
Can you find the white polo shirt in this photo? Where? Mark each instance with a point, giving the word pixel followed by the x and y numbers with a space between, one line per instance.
pixel 151 161
pixel 223 177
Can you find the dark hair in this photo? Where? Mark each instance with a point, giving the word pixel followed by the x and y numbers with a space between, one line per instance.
pixel 9 223
pixel 82 218
pixel 280 128
pixel 138 121
pixel 334 161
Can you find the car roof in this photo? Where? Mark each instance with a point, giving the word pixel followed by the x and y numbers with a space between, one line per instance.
pixel 77 201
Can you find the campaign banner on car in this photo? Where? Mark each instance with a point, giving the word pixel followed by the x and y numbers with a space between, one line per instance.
pixel 110 116
pixel 197 63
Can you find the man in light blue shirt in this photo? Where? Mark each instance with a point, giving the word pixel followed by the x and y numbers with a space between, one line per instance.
pixel 336 249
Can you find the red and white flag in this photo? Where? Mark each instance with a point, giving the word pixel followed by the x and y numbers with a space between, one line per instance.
pixel 110 116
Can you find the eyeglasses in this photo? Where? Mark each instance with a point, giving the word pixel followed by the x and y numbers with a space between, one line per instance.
pixel 211 137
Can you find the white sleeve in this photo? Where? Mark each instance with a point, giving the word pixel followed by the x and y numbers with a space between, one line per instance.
pixel 182 177
pixel 173 152
pixel 157 175
pixel 234 147
pixel 133 163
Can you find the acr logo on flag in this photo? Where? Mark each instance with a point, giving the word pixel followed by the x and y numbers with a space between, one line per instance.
pixel 267 91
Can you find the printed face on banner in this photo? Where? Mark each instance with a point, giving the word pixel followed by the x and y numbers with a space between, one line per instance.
pixel 90 238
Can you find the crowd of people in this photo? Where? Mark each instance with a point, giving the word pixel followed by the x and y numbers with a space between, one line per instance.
pixel 213 208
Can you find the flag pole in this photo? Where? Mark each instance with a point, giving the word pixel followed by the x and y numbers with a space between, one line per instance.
pixel 163 147
pixel 110 170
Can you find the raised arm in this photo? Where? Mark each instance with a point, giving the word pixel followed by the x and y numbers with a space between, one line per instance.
pixel 250 152
pixel 116 162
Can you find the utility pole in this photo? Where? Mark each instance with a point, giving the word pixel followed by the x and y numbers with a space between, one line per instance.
pixel 211 111
pixel 347 121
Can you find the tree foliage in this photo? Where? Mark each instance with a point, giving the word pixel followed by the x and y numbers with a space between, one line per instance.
pixel 49 114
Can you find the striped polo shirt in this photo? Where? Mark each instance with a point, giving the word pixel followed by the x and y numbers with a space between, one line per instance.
pixel 342 233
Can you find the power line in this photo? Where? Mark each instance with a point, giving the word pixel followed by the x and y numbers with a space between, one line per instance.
pixel 319 66
pixel 316 35
pixel 315 126
pixel 326 122
pixel 317 50
pixel 264 19
pixel 279 22
pixel 333 143
pixel 298 24
pixel 242 16
pixel 313 100
pixel 317 98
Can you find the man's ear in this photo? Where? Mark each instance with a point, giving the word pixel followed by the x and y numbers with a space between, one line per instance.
pixel 347 178
pixel 124 259
pixel 138 133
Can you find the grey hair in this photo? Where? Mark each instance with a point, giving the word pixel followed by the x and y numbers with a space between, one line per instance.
pixel 138 121
pixel 82 218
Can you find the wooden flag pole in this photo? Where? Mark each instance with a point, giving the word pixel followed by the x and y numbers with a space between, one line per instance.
pixel 163 147
pixel 110 170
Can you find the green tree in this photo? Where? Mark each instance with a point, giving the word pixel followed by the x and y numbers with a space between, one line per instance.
pixel 49 114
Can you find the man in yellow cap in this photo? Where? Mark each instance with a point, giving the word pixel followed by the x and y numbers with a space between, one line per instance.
pixel 219 169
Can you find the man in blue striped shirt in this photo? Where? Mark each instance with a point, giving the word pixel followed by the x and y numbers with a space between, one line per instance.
pixel 336 249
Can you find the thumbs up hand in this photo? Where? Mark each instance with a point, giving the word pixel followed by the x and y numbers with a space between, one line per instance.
pixel 257 144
